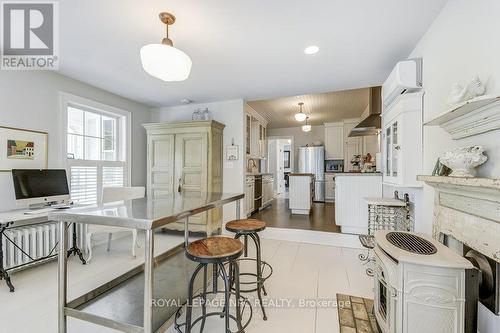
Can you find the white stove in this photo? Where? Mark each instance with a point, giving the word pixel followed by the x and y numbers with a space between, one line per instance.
pixel 420 285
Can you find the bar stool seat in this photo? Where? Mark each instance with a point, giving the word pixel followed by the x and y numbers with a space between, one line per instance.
pixel 246 226
pixel 214 250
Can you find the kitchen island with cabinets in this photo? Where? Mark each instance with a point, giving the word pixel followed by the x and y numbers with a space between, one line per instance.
pixel 301 193
pixel 351 210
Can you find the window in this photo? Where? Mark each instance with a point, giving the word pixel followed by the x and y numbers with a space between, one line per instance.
pixel 96 148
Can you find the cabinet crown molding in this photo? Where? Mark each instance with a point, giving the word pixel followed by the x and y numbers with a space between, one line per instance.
pixel 184 124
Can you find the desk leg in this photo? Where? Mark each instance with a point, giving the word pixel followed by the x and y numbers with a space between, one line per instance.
pixel 148 281
pixel 63 275
pixel 75 250
pixel 3 273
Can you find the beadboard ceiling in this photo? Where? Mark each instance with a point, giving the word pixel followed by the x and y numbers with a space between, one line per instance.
pixel 247 49
pixel 321 108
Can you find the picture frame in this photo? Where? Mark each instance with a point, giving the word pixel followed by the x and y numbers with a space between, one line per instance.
pixel 23 149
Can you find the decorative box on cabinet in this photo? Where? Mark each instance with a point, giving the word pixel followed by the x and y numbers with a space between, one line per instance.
pixel 402 141
pixel 186 156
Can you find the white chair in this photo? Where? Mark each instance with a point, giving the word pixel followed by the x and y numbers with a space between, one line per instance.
pixel 112 194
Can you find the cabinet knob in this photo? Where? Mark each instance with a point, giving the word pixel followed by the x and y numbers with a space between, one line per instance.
pixel 179 188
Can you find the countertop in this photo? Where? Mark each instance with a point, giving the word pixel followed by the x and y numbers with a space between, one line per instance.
pixel 350 174
pixel 301 174
pixel 144 213
pixel 259 173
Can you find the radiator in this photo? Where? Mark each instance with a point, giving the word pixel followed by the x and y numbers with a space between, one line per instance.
pixel 38 241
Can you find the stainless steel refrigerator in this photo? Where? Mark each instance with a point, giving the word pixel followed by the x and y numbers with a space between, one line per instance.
pixel 312 160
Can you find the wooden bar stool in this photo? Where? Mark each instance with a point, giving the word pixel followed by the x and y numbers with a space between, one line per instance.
pixel 217 251
pixel 251 228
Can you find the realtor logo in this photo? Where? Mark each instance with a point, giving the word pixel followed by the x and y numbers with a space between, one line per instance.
pixel 30 35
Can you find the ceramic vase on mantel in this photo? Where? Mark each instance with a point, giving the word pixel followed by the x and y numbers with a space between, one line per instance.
pixel 464 161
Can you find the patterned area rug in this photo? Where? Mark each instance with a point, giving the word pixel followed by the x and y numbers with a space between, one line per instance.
pixel 356 315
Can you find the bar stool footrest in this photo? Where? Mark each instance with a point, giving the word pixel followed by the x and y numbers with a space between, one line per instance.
pixel 244 300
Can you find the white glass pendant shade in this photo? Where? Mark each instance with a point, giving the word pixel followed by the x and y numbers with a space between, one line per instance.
pixel 300 116
pixel 165 62
pixel 306 128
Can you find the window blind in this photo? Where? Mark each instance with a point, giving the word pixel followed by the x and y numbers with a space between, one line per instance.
pixel 84 184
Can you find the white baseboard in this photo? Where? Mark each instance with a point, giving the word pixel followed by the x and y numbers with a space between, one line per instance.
pixel 312 237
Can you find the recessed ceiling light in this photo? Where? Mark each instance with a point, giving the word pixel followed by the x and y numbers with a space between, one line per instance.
pixel 185 101
pixel 313 49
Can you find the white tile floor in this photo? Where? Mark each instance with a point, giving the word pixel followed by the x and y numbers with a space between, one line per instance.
pixel 301 271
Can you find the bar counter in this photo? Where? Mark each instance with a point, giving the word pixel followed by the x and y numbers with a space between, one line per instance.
pixel 126 303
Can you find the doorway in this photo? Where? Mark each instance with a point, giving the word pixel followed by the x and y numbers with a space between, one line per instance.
pixel 280 161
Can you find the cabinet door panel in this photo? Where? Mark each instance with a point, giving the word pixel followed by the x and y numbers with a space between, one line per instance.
pixel 191 166
pixel 161 164
pixel 191 163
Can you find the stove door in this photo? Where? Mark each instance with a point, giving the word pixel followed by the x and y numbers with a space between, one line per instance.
pixel 385 302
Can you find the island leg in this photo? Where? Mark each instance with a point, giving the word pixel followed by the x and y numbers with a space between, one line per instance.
pixel 63 276
pixel 148 281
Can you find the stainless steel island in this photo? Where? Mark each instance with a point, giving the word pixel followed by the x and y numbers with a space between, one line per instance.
pixel 126 303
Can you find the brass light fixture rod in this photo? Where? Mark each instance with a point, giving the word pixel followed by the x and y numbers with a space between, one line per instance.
pixel 167 19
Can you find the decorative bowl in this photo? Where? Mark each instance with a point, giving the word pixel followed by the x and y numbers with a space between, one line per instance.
pixel 463 161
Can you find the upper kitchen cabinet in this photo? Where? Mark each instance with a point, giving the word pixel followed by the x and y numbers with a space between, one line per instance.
pixel 402 141
pixel 256 134
pixel 352 145
pixel 334 141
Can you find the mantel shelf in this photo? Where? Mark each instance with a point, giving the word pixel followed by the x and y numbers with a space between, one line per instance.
pixel 476 116
pixel 437 181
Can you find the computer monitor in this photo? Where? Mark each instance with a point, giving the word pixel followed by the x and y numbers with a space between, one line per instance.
pixel 40 187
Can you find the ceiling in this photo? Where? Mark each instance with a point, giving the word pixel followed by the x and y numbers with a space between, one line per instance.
pixel 321 108
pixel 248 49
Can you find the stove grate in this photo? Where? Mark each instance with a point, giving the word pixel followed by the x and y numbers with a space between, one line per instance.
pixel 411 243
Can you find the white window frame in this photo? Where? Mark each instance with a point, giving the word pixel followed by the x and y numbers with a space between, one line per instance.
pixel 124 143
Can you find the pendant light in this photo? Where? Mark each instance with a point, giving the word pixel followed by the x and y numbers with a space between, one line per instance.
pixel 164 61
pixel 300 116
pixel 306 127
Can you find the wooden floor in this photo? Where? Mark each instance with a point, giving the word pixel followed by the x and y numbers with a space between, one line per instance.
pixel 278 215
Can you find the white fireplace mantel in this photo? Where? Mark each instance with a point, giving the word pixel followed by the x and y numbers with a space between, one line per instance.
pixel 469 210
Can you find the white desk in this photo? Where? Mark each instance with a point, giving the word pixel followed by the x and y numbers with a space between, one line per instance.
pixel 17 219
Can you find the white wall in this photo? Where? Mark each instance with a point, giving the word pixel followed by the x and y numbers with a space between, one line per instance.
pixel 30 100
pixel 461 43
pixel 300 138
pixel 232 114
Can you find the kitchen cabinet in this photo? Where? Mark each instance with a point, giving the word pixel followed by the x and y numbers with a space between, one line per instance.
pixel 186 156
pixel 334 141
pixel 329 187
pixel 402 141
pixel 352 146
pixel 267 190
pixel 256 137
pixel 301 193
pixel 249 195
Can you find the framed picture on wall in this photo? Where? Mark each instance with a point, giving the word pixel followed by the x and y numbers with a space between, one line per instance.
pixel 22 149
pixel 286 159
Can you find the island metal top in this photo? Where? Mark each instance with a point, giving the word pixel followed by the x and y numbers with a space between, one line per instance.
pixel 144 213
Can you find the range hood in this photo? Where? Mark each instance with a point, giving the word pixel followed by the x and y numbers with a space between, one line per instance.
pixel 371 125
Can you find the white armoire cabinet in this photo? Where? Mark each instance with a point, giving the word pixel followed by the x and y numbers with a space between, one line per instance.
pixel 186 156
pixel 402 141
